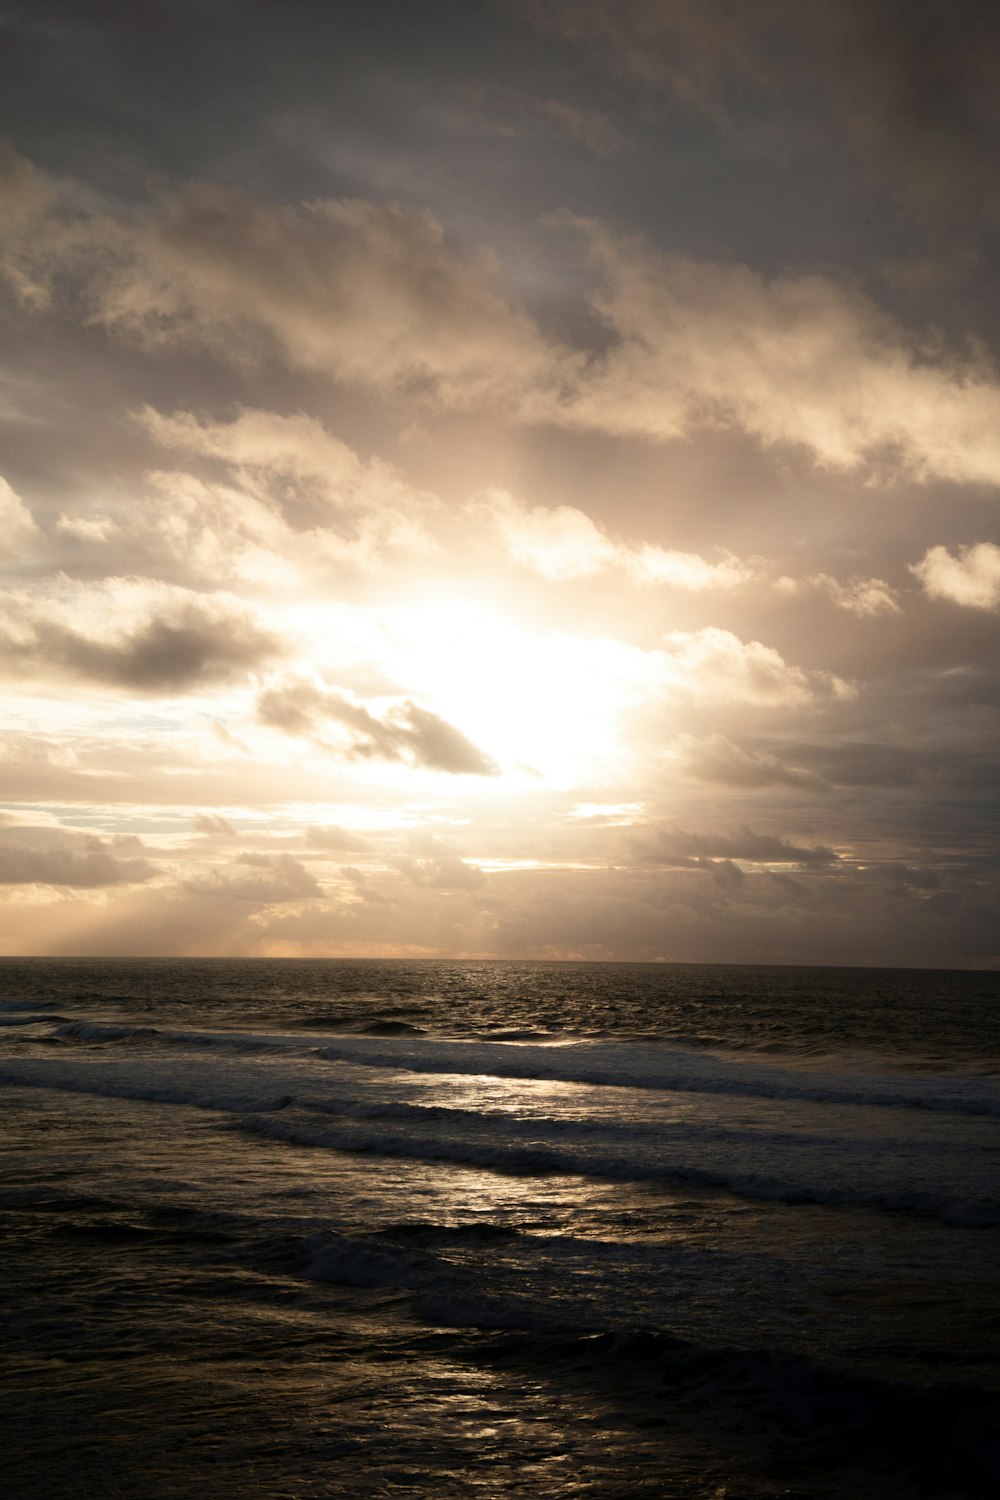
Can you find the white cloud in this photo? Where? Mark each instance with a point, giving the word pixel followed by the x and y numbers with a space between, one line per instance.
pixel 716 666
pixel 374 295
pixel 295 505
pixel 214 826
pixel 296 501
pixel 264 447
pixel 562 542
pixel 18 748
pixel 559 542
pixel 96 529
pixel 970 576
pixel 798 361
pixel 859 596
pixel 332 836
pixel 17 525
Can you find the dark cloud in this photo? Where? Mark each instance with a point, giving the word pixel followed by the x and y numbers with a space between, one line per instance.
pixel 42 856
pixel 510 112
pixel 377 298
pixel 685 275
pixel 861 763
pixel 363 887
pixel 350 289
pixel 439 867
pixel 728 875
pixel 405 732
pixel 674 846
pixel 716 759
pixel 150 641
pixel 904 878
pixel 259 877
pixel 439 745
pixel 911 83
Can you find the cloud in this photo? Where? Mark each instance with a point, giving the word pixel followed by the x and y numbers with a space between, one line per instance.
pixel 562 543
pixel 904 878
pixel 405 731
pixel 374 296
pixel 214 826
pixel 215 531
pixel 970 576
pixel 439 867
pixel 93 528
pixel 331 836
pixel 793 361
pixel 26 193
pixel 292 462
pixel 910 87
pixel 865 597
pixel 717 760
pixel 680 41
pixel 714 665
pixel 19 749
pixel 26 200
pixel 291 504
pixel 860 763
pixel 133 634
pixel 17 524
pixel 353 290
pixel 509 112
pixel 675 847
pixel 258 877
pixel 48 856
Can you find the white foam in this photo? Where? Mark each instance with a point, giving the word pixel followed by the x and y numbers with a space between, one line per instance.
pixel 615 1064
pixel 805 1183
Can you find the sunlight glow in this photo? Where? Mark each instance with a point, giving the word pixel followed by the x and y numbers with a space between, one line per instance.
pixel 550 704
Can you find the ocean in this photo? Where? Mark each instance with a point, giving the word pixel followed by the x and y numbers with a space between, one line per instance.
pixel 288 1229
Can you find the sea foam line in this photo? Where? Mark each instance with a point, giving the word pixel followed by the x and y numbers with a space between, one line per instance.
pixel 533 1157
pixel 603 1065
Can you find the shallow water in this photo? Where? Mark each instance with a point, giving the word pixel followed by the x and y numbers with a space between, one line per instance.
pixel 334 1229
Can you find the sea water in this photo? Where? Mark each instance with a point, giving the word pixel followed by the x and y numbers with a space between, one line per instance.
pixel 335 1228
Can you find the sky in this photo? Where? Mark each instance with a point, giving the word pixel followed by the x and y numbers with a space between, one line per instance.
pixel 506 479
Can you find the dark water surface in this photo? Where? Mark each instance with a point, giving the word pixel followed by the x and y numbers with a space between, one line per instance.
pixel 304 1229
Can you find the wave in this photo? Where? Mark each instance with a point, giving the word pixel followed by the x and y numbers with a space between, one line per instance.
pixel 363 1020
pixel 88 1031
pixel 669 1071
pixel 26 1018
pixel 299 1099
pixel 523 1158
pixel 512 1034
pixel 949 1434
pixel 233 1101
pixel 391 1028
pixel 595 1064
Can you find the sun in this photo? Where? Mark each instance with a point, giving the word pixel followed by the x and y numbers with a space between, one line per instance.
pixel 547 703
pixel 544 704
